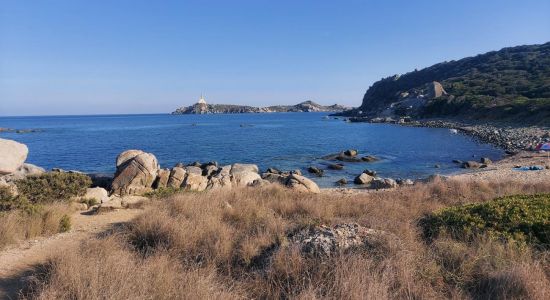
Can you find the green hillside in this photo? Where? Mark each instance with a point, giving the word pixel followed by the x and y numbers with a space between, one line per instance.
pixel 510 84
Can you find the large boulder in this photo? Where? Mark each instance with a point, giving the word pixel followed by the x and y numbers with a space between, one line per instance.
pixel 12 156
pixel 302 184
pixel 325 241
pixel 221 179
pixel 244 174
pixel 136 172
pixel 99 194
pixel 364 178
pixel 383 183
pixel 162 179
pixel 195 182
pixel 176 178
pixel 471 165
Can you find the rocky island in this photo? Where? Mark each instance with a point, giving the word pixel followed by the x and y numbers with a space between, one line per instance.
pixel 201 107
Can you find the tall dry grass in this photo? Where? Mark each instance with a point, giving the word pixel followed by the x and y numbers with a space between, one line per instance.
pixel 232 244
pixel 17 225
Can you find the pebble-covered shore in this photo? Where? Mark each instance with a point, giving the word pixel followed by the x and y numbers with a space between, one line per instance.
pixel 507 137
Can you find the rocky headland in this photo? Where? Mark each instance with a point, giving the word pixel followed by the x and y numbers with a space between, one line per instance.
pixel 202 107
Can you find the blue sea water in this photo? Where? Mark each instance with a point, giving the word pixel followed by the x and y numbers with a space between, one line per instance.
pixel 283 140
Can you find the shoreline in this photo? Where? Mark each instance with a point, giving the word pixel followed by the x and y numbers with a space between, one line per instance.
pixel 511 138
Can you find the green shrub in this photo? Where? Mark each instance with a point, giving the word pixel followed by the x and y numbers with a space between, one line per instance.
pixel 65 223
pixel 521 218
pixel 53 187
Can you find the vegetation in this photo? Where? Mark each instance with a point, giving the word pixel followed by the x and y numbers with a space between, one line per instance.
pixel 231 245
pixel 510 84
pixel 523 218
pixel 53 187
pixel 39 209
pixel 16 225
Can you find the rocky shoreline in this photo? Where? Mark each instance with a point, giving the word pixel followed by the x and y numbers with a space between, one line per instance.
pixel 511 138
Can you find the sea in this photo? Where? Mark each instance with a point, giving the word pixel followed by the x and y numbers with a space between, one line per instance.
pixel 286 141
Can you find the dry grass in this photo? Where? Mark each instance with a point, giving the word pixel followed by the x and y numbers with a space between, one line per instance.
pixel 45 220
pixel 216 245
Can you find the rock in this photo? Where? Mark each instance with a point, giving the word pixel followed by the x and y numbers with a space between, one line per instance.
pixel 297 172
pixel 260 183
pixel 176 177
pixel 237 168
pixel 23 171
pixel 210 163
pixel 136 173
pixel 363 178
pixel 370 172
pixel 12 156
pixel 435 90
pixel 112 204
pixel 336 166
pixel 195 182
pixel 315 170
pixel 162 179
pixel 193 170
pixel 126 156
pixel 275 178
pixel 350 152
pixel 437 166
pixel 99 194
pixel 302 184
pixel 347 158
pixel 471 165
pixel 342 181
pixel 195 164
pixel 244 174
pixel 325 241
pixel 383 183
pixel 486 161
pixel 209 170
pixel 222 179
pixel 456 161
pixel 180 165
pixel 273 171
pixel 369 158
pixel 404 182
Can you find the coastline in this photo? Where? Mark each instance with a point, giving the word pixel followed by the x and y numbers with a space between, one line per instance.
pixel 509 137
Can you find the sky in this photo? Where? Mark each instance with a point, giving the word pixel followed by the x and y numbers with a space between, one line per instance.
pixel 61 57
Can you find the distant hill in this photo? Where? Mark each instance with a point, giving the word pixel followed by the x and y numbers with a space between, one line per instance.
pixel 306 106
pixel 512 84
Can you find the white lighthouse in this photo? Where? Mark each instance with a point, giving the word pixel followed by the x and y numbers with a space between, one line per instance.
pixel 201 100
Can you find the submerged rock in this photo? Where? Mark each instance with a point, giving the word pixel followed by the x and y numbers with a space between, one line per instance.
pixel 316 171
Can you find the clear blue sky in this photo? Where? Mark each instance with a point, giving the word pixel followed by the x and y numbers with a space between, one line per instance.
pixel 90 57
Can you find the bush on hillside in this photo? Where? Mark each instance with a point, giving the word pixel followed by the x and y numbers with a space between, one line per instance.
pixel 53 187
pixel 522 218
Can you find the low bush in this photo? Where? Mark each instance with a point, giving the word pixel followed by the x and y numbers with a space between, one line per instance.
pixel 53 187
pixel 45 220
pixel 524 218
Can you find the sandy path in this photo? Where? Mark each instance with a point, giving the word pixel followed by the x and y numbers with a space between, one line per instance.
pixel 19 260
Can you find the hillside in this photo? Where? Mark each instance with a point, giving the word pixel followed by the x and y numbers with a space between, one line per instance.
pixel 512 84
pixel 306 106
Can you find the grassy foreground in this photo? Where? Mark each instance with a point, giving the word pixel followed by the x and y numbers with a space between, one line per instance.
pixel 208 245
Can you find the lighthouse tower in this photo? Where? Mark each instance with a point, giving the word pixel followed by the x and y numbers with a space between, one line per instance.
pixel 201 100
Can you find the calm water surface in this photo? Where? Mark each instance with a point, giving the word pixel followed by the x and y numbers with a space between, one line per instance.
pixel 283 140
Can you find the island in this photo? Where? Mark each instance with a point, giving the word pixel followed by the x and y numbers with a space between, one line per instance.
pixel 201 107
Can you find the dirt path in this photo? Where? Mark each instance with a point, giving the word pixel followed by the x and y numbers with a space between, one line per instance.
pixel 19 260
